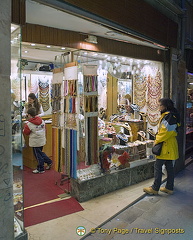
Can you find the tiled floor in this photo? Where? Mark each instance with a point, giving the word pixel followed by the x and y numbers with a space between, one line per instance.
pixel 96 211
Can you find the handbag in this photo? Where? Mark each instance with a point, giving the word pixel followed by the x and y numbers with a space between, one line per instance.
pixel 156 149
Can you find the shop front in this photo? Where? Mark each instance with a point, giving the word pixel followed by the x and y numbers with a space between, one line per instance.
pixel 100 102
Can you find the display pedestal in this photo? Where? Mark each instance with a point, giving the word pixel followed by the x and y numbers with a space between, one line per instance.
pixel 88 189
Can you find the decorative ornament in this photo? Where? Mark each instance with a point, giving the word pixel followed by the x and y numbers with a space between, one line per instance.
pixel 154 91
pixel 44 94
pixel 140 87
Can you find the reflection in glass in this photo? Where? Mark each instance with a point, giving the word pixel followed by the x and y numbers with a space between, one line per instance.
pixel 16 129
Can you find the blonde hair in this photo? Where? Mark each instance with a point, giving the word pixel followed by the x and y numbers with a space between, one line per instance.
pixel 128 97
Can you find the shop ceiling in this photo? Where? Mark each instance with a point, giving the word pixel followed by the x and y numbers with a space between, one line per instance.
pixel 43 15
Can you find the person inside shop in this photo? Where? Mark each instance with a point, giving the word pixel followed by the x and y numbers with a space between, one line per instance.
pixel 33 102
pixel 133 110
pixel 35 128
pixel 167 133
pixel 128 99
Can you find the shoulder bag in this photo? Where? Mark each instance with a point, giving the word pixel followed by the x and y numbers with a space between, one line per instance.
pixel 156 149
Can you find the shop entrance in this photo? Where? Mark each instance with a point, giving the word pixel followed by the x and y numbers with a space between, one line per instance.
pixel 86 99
pixel 36 78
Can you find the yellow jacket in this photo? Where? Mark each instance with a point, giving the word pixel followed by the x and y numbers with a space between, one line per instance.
pixel 167 132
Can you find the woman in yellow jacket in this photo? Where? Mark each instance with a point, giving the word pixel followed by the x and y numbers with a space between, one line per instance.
pixel 167 132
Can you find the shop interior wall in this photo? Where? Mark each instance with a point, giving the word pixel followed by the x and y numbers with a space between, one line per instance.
pixel 18 12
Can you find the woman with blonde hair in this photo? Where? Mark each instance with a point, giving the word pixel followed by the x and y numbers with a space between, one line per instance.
pixel 128 99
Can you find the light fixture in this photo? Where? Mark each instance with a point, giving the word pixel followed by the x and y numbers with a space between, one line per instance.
pixel 48 46
pixel 32 44
pixel 91 39
pixel 112 33
pixel 63 48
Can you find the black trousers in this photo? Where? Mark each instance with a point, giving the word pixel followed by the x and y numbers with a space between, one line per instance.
pixel 158 174
pixel 41 158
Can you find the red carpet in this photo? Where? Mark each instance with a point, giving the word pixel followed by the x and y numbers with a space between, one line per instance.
pixel 39 188
pixel 50 211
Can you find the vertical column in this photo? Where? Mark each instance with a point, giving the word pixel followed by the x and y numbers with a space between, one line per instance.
pixel 6 173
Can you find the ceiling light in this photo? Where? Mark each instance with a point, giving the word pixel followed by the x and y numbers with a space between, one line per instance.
pixel 91 39
pixel 112 33
pixel 48 46
pixel 26 51
pixel 32 44
pixel 63 48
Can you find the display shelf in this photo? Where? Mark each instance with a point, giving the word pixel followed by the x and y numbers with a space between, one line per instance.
pixel 90 107
pixel 70 118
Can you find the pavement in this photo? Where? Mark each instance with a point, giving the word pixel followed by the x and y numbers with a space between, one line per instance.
pixel 157 217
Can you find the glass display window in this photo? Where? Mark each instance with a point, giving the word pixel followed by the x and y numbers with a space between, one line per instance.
pixel 126 112
pixel 189 112
pixel 17 140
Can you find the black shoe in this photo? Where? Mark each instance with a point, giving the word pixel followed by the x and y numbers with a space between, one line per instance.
pixel 49 166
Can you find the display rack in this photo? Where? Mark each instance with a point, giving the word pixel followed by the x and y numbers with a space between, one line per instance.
pixel 90 96
pixel 71 122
